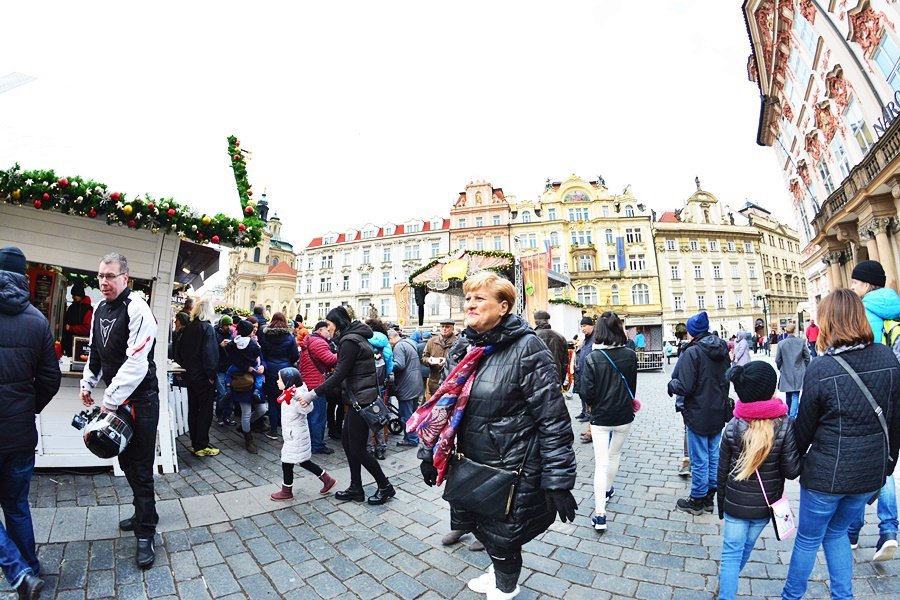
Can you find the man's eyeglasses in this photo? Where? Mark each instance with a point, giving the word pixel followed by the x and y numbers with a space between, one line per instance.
pixel 102 276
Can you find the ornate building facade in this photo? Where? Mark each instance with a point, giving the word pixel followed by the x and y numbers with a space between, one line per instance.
pixel 709 260
pixel 602 241
pixel 829 82
pixel 265 275
pixel 479 219
pixel 362 268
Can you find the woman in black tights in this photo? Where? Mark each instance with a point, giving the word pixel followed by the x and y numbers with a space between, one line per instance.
pixel 354 376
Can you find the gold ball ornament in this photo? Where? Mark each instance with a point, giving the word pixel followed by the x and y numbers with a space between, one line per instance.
pixel 16 194
pixel 206 220
pixel 127 209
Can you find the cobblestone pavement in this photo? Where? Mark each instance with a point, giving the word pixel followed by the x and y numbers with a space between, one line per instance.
pixel 220 536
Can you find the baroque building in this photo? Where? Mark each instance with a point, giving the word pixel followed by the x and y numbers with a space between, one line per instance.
pixel 829 81
pixel 603 242
pixel 265 275
pixel 479 219
pixel 368 269
pixel 709 260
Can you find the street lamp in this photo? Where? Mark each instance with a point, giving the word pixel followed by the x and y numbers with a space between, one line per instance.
pixel 764 296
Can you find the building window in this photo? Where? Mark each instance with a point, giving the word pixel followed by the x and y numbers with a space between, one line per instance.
pixel 637 262
pixel 629 210
pixel 415 228
pixel 640 293
pixel 609 237
pixel 614 295
pixel 526 216
pixel 385 279
pixel 368 234
pixel 858 126
pixel 309 286
pixel 498 242
pixel 554 239
pixel 825 174
pixel 698 272
pixel 551 214
pixel 364 281
pixel 325 284
pixel 479 221
pixel 805 33
pixel 479 243
pixel 717 272
pixel 670 245
pixel 582 237
pixel 611 262
pixel 327 261
pixel 738 301
pixel 701 301
pixel 633 235
pixel 720 301
pixel 365 257
pixel 496 219
pixel 748 247
pixel 435 249
pixel 679 302
pixel 461 244
pixel 386 255
pixel 411 252
pixel 713 245
pixel 555 265
pixel 694 245
pixel 587 294
pixel 799 68
pixel 735 271
pixel 385 307
pixel 346 259
pixel 840 156
pixel 887 57
pixel 462 223
pixel 309 263
pixel 604 210
pixel 579 214
pixel 585 262
pixel 345 284
pixel 675 270
pixel 274 261
pixel 751 271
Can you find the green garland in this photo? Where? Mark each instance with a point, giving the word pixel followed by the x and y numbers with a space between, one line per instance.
pixel 491 253
pixel 75 195
pixel 568 301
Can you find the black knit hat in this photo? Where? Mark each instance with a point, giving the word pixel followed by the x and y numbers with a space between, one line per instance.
pixel 244 328
pixel 587 321
pixel 754 381
pixel 12 259
pixel 869 271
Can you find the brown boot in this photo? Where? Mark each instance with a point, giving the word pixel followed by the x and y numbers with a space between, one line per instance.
pixel 327 482
pixel 286 493
pixel 248 443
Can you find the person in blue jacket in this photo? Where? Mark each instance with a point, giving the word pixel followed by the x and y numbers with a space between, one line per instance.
pixel 881 303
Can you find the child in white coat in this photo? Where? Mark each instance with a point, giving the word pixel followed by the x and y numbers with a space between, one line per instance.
pixel 297 448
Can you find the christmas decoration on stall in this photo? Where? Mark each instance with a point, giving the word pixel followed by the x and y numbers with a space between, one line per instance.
pixel 567 301
pixel 78 196
pixel 455 266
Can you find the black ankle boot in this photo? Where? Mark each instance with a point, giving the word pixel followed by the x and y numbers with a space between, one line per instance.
pixel 354 492
pixel 146 553
pixel 382 495
pixel 127 524
pixel 30 588
pixel 709 501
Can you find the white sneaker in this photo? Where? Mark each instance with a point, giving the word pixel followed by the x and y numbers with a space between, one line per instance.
pixel 483 584
pixel 496 594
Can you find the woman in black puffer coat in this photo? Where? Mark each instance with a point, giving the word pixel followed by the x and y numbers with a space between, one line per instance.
pixel 279 351
pixel 515 398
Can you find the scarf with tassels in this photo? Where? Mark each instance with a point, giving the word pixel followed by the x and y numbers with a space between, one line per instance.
pixel 762 409
pixel 286 395
pixel 436 421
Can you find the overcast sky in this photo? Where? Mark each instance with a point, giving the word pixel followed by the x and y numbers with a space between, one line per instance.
pixel 363 111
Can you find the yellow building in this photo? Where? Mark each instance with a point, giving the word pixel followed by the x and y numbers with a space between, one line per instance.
pixel 265 275
pixel 709 262
pixel 603 242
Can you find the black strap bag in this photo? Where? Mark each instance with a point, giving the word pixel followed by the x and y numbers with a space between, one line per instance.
pixel 375 413
pixel 482 489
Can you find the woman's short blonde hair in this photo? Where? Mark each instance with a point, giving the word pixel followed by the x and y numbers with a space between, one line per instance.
pixel 204 311
pixel 842 321
pixel 500 287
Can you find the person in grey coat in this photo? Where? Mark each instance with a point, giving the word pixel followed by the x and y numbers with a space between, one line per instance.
pixel 742 350
pixel 791 358
pixel 408 384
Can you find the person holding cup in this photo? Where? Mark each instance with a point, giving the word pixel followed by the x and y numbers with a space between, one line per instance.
pixel 435 353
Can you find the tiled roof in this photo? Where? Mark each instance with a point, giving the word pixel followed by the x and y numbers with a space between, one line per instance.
pixel 317 242
pixel 283 268
pixel 669 217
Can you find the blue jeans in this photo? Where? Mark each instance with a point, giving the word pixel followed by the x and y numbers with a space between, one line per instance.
pixel 793 402
pixel 18 556
pixel 224 407
pixel 887 511
pixel 812 349
pixel 738 538
pixel 823 520
pixel 406 409
pixel 704 453
pixel 316 420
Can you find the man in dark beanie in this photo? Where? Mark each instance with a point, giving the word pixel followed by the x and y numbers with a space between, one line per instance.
pixel 699 377
pixel 554 341
pixel 882 304
pixel 29 378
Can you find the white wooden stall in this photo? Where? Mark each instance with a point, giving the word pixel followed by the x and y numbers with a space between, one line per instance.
pixel 79 243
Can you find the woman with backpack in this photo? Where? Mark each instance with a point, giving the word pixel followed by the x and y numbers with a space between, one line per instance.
pixel 757 453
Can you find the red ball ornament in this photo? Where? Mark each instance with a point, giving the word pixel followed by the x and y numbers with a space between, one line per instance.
pixel 242 227
pixel 237 143
pixel 215 239
pixel 37 203
pixel 249 192
pixel 132 223
pixel 171 212
pixel 63 182
pixel 249 210
pixel 199 236
pixel 151 206
pixel 115 196
pixel 46 196
pixel 92 213
pixel 237 157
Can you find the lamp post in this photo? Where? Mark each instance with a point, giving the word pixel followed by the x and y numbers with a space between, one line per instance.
pixel 764 296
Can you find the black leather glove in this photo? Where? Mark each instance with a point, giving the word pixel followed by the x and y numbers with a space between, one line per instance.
pixel 429 472
pixel 563 502
pixel 391 379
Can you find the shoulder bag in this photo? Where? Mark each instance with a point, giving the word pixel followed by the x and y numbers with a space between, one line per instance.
pixel 482 489
pixel 781 514
pixel 375 413
pixel 878 412
pixel 635 403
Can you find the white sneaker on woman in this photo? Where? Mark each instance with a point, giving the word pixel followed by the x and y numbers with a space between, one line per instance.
pixel 483 584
